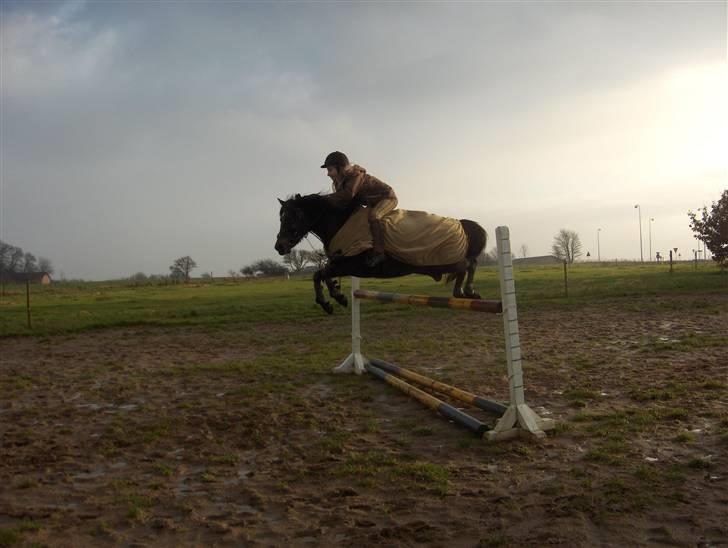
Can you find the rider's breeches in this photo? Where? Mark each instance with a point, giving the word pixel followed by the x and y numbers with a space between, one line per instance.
pixel 376 212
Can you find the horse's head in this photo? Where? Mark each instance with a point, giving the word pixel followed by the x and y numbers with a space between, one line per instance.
pixel 294 225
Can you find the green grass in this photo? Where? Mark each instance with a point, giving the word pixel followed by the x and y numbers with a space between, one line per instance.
pixel 375 468
pixel 8 537
pixel 64 308
pixel 12 536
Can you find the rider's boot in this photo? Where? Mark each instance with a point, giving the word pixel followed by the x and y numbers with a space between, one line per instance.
pixel 377 256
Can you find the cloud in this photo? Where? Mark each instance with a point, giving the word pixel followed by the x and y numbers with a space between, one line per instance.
pixel 137 132
pixel 44 54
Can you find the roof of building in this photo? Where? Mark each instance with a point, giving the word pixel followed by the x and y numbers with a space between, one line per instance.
pixel 21 277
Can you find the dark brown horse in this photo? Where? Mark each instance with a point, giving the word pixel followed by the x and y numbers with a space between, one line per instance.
pixel 313 213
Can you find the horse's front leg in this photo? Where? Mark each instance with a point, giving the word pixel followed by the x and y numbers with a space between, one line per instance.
pixel 319 291
pixel 335 291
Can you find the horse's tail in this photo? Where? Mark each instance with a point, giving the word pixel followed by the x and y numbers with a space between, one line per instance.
pixel 477 238
pixel 477 241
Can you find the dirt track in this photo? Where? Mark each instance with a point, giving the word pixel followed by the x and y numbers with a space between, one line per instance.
pixel 165 436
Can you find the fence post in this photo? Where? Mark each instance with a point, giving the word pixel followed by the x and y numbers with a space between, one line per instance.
pixel 519 416
pixel 27 300
pixel 566 281
pixel 355 361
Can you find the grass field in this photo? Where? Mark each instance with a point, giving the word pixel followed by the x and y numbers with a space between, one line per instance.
pixel 206 414
pixel 70 308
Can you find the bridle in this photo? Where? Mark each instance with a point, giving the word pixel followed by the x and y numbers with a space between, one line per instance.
pixel 296 230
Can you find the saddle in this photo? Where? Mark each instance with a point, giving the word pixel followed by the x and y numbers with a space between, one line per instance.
pixel 414 237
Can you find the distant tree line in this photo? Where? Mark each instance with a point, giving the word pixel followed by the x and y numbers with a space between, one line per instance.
pixel 13 260
pixel 566 246
pixel 294 262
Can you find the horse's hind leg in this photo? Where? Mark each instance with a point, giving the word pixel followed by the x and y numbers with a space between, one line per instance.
pixel 335 291
pixel 457 290
pixel 470 291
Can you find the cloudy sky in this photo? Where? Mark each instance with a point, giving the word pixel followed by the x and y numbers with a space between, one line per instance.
pixel 137 132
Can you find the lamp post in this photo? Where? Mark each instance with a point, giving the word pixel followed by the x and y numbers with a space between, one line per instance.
pixel 639 213
pixel 650 226
pixel 599 254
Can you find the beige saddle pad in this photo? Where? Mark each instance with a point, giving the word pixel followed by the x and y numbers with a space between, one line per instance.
pixel 414 237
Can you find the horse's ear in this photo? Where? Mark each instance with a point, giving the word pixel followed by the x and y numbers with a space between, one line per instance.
pixel 298 196
pixel 280 201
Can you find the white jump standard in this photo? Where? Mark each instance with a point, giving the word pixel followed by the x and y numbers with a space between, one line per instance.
pixel 518 417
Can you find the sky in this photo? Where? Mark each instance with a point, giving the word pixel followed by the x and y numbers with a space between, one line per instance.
pixel 133 133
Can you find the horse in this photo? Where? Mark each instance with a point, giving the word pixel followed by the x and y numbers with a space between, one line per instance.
pixel 313 213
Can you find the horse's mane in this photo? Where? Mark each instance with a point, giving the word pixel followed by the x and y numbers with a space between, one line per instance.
pixel 317 201
pixel 318 204
pixel 306 197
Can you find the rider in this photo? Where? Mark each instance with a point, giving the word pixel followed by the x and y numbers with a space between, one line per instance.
pixel 352 183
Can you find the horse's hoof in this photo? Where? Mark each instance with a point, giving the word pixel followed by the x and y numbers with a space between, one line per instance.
pixel 343 301
pixel 328 308
pixel 472 294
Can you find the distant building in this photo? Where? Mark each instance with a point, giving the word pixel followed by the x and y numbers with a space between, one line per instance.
pixel 43 278
pixel 543 259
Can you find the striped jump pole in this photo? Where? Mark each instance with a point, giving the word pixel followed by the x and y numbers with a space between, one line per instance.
pixel 476 305
pixel 517 418
pixel 474 425
pixel 452 391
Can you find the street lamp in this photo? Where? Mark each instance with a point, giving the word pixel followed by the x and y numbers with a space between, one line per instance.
pixel 650 225
pixel 599 254
pixel 639 212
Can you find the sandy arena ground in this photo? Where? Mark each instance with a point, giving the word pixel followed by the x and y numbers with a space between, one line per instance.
pixel 162 437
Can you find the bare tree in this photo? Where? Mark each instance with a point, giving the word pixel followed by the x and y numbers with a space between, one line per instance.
pixel 138 278
pixel 524 251
pixel 181 268
pixel 30 263
pixel 566 246
pixel 6 251
pixel 16 260
pixel 45 265
pixel 268 267
pixel 317 257
pixel 297 260
pixel 488 257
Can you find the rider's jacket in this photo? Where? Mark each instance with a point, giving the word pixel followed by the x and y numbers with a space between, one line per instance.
pixel 358 185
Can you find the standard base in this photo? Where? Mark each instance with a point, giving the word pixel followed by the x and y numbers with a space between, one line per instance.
pixel 519 421
pixel 354 363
